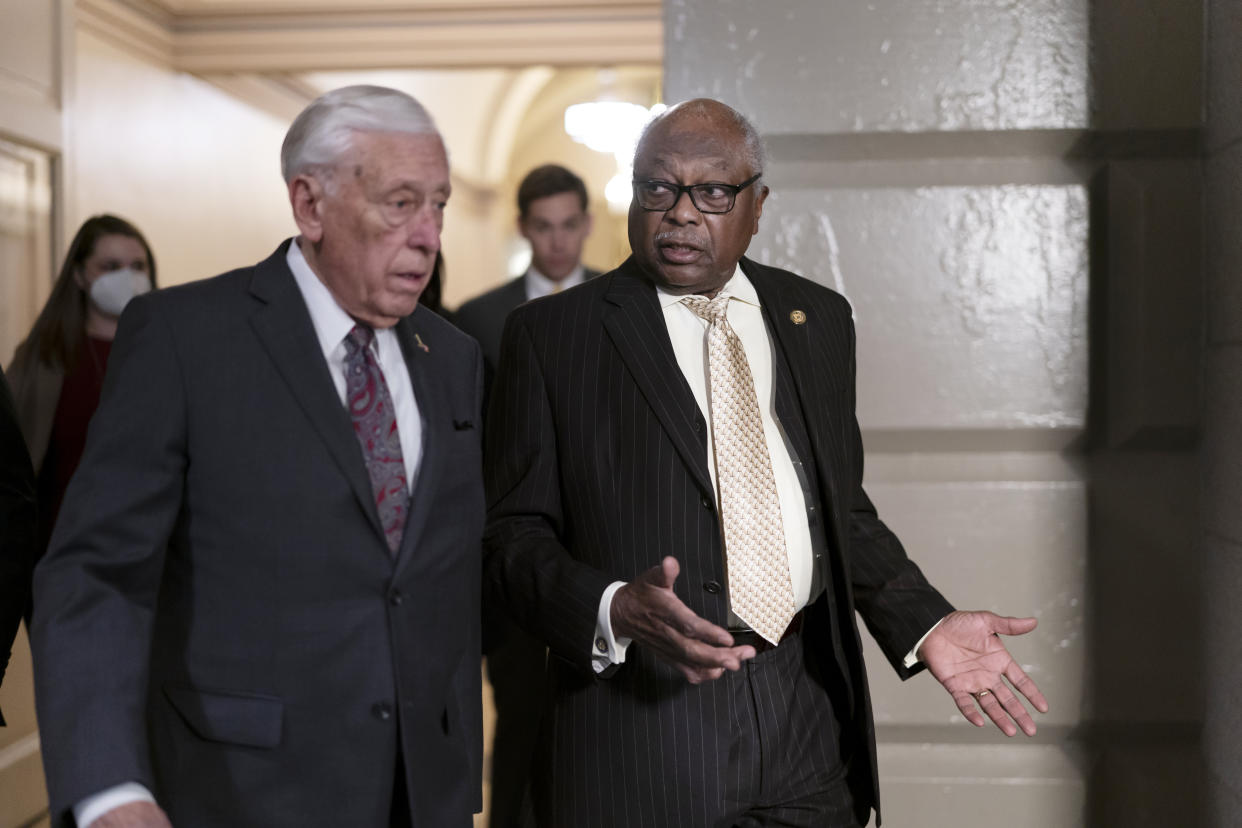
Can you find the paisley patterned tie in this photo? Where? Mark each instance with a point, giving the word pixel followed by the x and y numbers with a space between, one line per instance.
pixel 375 424
pixel 760 589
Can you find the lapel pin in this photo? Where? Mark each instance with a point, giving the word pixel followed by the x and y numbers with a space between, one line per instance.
pixel 418 340
pixel 797 317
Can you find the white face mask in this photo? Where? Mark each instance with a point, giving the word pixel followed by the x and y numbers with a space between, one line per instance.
pixel 111 292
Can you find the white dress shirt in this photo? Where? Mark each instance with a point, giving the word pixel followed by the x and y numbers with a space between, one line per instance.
pixel 332 324
pixel 539 286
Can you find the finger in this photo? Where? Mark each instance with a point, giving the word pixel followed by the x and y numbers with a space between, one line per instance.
pixel 1014 707
pixel 705 656
pixel 1026 686
pixel 1009 625
pixel 966 703
pixel 700 676
pixel 994 711
pixel 700 629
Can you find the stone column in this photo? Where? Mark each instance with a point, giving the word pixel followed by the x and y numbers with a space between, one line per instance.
pixel 1008 193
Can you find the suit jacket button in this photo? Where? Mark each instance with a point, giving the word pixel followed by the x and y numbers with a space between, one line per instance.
pixel 698 425
pixel 707 502
pixel 713 587
pixel 396 598
pixel 382 711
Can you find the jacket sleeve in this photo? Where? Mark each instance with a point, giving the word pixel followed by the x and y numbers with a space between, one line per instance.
pixel 95 590
pixel 527 569
pixel 18 530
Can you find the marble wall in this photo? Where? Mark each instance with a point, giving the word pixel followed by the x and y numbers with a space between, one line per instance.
pixel 1010 196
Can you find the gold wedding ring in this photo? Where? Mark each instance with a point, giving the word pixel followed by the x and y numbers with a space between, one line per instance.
pixel 979 696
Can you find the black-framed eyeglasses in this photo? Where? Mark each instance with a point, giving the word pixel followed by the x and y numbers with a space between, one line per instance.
pixel 658 196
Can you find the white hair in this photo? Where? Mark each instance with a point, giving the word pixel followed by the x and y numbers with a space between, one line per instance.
pixel 323 132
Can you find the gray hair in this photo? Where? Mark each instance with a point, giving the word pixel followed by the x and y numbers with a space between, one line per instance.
pixel 756 151
pixel 323 132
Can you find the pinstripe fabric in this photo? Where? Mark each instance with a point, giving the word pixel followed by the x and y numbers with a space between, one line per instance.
pixel 597 468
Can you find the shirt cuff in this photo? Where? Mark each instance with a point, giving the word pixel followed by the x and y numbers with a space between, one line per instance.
pixel 93 807
pixel 608 650
pixel 912 658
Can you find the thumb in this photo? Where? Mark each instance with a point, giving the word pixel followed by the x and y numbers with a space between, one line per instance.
pixel 663 575
pixel 1009 625
pixel 667 572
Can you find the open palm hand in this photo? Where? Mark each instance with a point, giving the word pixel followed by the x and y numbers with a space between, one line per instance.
pixel 966 655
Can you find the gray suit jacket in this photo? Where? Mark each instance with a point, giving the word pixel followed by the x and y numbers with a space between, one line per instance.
pixel 219 617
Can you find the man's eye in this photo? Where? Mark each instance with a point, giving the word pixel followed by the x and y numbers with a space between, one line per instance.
pixel 714 191
pixel 658 188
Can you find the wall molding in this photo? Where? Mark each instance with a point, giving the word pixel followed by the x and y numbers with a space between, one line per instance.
pixel 223 36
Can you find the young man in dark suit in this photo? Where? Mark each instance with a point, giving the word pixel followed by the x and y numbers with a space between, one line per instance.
pixel 675 496
pixel 261 601
pixel 553 217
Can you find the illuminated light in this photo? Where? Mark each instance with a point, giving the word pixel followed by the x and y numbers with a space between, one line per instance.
pixel 609 126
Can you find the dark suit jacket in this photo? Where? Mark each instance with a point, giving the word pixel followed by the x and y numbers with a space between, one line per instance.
pixel 18 527
pixel 219 617
pixel 483 317
pixel 597 469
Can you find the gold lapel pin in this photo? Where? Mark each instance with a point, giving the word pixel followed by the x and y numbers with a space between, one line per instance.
pixel 797 317
pixel 418 340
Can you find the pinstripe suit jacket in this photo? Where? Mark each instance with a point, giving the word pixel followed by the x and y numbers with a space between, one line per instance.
pixel 597 468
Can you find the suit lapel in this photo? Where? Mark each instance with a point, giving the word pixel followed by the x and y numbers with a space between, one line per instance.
pixel 284 327
pixel 637 329
pixel 821 414
pixel 433 411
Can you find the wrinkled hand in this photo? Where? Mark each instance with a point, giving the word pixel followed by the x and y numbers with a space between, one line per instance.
pixel 966 655
pixel 134 815
pixel 647 611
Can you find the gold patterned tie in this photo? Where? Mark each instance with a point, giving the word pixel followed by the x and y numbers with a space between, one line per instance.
pixel 760 591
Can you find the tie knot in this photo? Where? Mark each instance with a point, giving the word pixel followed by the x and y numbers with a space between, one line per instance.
pixel 713 310
pixel 359 339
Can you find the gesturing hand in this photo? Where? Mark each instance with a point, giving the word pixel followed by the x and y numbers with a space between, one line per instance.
pixel 966 655
pixel 647 611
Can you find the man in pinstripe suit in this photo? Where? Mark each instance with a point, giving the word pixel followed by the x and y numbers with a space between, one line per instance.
pixel 605 458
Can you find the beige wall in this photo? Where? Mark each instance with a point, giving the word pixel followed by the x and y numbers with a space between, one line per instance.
pixel 34 88
pixel 1009 196
pixel 198 170
pixel 195 170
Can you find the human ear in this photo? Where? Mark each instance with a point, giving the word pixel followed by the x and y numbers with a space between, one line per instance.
pixel 760 197
pixel 306 195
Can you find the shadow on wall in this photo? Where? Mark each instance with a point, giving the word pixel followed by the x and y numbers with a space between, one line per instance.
pixel 1144 694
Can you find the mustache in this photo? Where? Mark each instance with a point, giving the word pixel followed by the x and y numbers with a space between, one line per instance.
pixel 677 238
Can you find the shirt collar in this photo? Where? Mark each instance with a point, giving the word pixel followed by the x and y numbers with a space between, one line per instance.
pixel 538 285
pixel 738 287
pixel 332 324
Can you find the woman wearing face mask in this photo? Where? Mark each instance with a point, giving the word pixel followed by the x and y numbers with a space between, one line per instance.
pixel 57 373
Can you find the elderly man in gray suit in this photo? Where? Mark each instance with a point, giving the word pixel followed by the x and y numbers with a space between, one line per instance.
pixel 261 601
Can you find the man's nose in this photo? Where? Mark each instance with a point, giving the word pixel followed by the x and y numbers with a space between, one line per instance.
pixel 683 210
pixel 424 230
